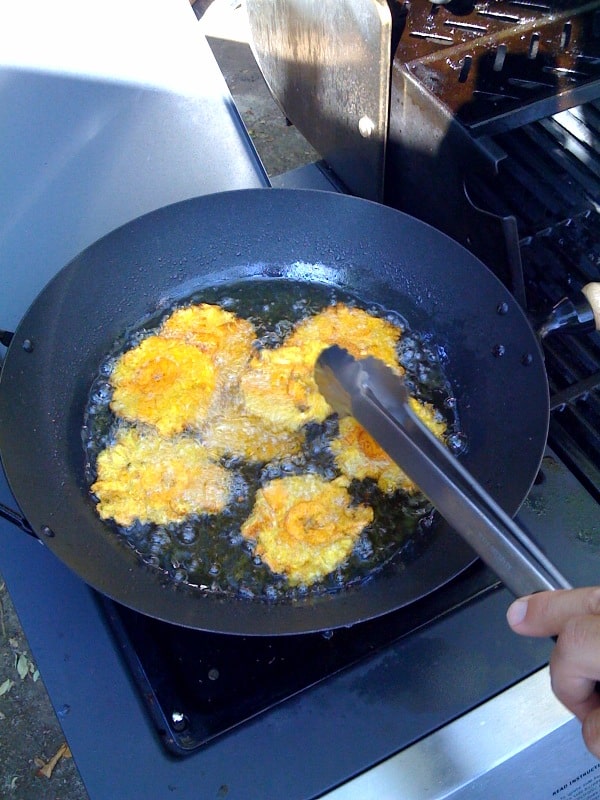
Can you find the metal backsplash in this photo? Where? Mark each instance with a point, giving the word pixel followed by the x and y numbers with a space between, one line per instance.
pixel 327 64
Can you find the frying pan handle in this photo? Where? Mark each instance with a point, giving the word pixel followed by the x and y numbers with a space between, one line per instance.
pixel 580 314
pixel 592 294
pixel 17 519
pixel 10 514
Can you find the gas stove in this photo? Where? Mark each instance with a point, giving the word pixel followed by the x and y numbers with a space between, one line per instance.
pixel 374 710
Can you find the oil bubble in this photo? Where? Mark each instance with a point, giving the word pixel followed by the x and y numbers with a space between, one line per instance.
pixel 187 534
pixel 107 367
pixel 193 564
pixel 426 522
pixel 457 443
pixel 159 540
pixel 179 575
pixel 442 353
pixel 102 394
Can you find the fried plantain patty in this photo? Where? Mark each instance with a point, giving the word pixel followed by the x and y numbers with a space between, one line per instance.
pixel 305 526
pixel 279 387
pixel 236 432
pixel 147 478
pixel 357 331
pixel 358 455
pixel 225 337
pixel 165 383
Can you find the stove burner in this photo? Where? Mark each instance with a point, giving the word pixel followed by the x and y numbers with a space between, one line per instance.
pixel 199 685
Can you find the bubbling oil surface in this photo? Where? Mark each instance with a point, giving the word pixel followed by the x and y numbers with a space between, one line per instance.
pixel 209 553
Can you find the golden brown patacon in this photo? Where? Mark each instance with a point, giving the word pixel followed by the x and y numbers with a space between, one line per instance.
pixel 359 456
pixel 144 477
pixel 165 383
pixel 304 526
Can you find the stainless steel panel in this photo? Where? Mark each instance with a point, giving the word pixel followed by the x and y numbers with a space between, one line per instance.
pixel 327 63
pixel 521 743
pixel 101 134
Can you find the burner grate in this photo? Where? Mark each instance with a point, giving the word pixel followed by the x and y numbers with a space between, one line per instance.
pixel 549 181
pixel 549 177
pixel 556 263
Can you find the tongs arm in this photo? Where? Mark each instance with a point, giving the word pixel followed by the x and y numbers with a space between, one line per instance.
pixel 377 399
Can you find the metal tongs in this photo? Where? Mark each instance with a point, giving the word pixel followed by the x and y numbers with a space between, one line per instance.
pixel 378 399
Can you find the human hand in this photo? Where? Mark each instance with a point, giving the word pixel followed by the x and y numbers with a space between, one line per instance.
pixel 574 617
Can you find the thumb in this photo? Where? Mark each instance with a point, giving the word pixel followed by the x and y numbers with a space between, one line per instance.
pixel 546 613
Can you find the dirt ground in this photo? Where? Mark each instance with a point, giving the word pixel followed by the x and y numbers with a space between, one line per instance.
pixel 279 145
pixel 30 735
pixel 35 763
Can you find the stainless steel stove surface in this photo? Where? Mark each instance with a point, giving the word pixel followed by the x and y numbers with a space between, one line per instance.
pixel 402 701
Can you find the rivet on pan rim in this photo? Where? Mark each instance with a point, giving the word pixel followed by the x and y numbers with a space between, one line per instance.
pixel 27 345
pixel 179 721
pixel 47 531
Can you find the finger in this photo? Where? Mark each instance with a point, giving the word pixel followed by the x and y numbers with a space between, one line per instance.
pixel 575 665
pixel 546 613
pixel 591 732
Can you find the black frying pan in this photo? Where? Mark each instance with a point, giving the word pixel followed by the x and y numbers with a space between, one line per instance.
pixel 378 254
